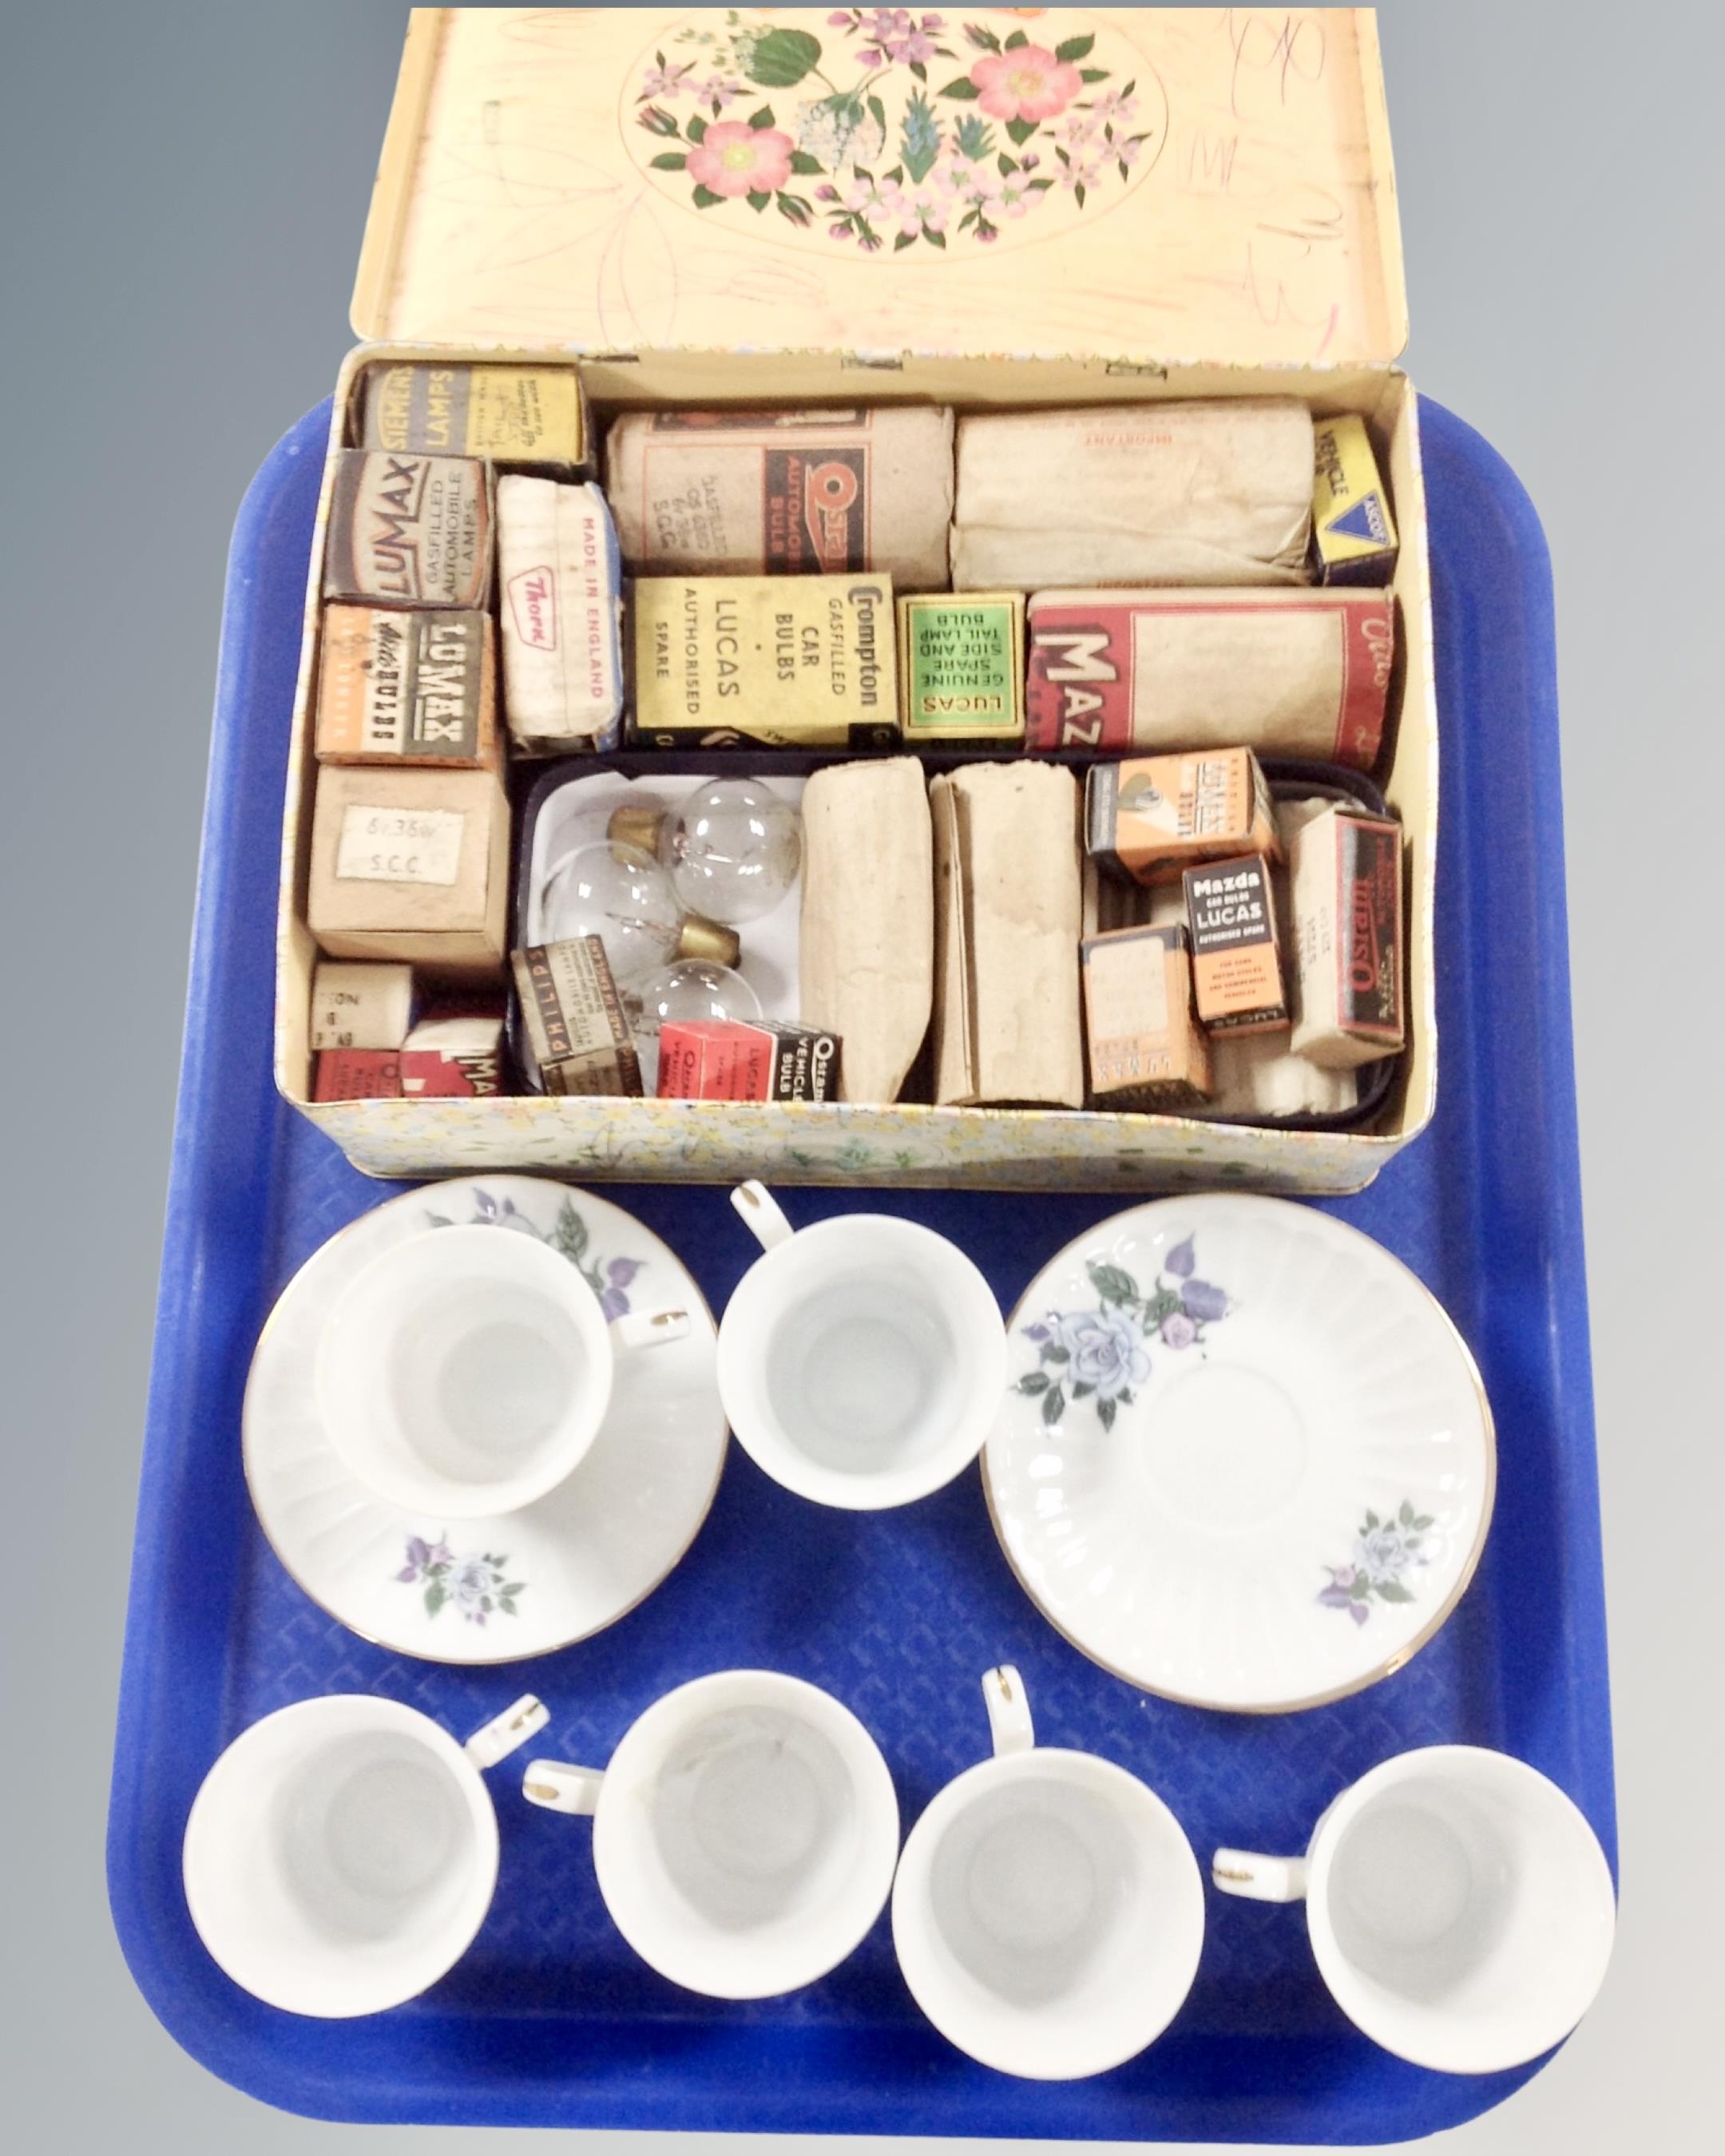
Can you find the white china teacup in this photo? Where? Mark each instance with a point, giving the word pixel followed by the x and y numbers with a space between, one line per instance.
pixel 1048 1912
pixel 465 1372
pixel 862 1360
pixel 1459 1907
pixel 341 1853
pixel 744 1833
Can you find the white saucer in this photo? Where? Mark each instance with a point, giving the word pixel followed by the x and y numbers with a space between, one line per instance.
pixel 1245 1461
pixel 496 1590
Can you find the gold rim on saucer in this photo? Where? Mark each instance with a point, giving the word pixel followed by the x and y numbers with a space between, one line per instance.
pixel 419 1192
pixel 1404 1654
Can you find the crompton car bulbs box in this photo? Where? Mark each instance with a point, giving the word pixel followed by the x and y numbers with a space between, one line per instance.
pixel 859 228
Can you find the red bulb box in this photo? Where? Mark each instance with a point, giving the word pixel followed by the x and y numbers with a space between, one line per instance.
pixel 753 1060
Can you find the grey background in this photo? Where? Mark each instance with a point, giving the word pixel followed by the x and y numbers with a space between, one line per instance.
pixel 183 192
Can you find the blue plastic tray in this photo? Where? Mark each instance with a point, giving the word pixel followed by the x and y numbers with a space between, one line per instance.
pixel 549 2021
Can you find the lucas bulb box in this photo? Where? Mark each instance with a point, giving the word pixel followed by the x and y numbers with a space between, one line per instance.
pixel 1066 306
pixel 804 662
pixel 1237 973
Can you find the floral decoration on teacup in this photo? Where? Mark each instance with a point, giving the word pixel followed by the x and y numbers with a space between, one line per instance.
pixel 568 1234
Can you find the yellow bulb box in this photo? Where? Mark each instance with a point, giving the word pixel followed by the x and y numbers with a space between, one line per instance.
pixel 789 662
pixel 518 419
pixel 1353 529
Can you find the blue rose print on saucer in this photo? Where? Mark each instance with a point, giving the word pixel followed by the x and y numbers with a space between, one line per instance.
pixel 1105 1355
pixel 477 1585
pixel 1384 1551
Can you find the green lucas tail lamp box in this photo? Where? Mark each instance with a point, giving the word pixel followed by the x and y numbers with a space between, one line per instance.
pixel 961 666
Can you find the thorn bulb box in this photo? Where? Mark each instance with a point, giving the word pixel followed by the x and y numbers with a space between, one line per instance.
pixel 727 291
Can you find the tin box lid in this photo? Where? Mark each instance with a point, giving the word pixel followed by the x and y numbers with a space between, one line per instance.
pixel 1132 185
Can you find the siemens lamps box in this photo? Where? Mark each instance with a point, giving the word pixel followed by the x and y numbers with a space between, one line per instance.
pixel 761 211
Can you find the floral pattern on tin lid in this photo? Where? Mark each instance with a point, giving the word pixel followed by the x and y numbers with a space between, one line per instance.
pixel 902 126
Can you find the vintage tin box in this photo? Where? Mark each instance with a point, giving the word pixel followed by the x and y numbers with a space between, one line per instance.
pixel 693 206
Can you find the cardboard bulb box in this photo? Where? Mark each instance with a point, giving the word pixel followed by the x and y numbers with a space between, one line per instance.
pixel 411 864
pixel 960 291
pixel 1151 817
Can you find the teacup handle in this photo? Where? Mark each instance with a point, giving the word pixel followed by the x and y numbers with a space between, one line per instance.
pixel 557 1787
pixel 507 1731
pixel 649 1328
pixel 761 1210
pixel 1257 1878
pixel 1009 1724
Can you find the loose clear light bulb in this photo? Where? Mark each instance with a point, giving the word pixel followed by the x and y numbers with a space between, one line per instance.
pixel 621 895
pixel 732 849
pixel 686 988
pixel 617 892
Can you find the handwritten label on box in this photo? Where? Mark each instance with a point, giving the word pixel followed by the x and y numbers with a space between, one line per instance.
pixel 399 846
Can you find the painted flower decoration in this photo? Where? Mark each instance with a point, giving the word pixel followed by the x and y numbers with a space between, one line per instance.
pixel 610 1279
pixel 1383 1551
pixel 1103 1354
pixel 662 81
pixel 733 158
pixel 423 1557
pixel 1027 82
pixel 1105 1350
pixel 840 131
pixel 477 1585
pixel 909 127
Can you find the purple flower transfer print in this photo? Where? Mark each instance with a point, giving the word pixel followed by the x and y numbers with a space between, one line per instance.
pixel 613 1296
pixel 478 1586
pixel 1384 1550
pixel 1103 1354
pixel 610 1279
pixel 1202 1302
